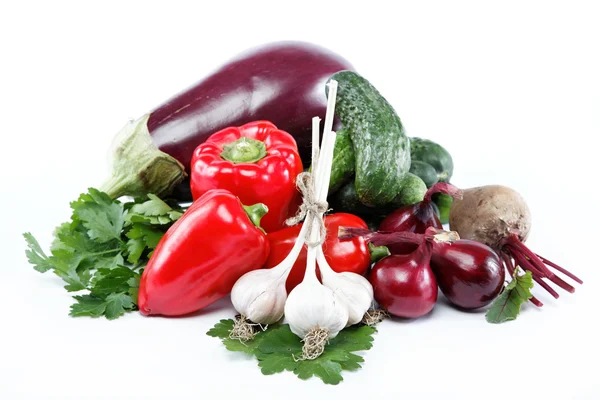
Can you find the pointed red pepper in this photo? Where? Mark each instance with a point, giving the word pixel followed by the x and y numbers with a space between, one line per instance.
pixel 257 162
pixel 198 260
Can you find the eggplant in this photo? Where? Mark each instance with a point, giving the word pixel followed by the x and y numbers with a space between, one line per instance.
pixel 282 82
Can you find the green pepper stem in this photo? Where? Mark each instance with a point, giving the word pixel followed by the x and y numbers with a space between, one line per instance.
pixel 244 150
pixel 255 212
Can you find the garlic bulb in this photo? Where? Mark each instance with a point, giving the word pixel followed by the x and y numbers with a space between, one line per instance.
pixel 311 305
pixel 352 289
pixel 260 295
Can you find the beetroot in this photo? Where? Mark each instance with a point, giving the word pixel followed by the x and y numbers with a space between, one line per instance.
pixel 499 217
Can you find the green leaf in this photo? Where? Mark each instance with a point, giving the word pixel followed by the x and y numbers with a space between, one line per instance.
pixel 88 251
pixel 102 216
pixel 221 329
pixel 65 266
pixel 135 248
pixel 153 211
pixel 88 305
pixel 507 306
pixel 35 254
pixel 117 304
pixel 151 235
pixel 108 281
pixel 134 287
pixel 278 349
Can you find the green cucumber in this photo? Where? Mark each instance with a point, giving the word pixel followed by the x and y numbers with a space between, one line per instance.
pixel 413 191
pixel 430 161
pixel 425 171
pixel 381 147
pixel 343 161
pixel 346 200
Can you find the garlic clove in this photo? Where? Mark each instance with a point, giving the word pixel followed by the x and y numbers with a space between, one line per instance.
pixel 312 305
pixel 260 296
pixel 357 297
pixel 268 307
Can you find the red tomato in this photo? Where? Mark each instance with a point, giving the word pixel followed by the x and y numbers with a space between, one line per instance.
pixel 347 255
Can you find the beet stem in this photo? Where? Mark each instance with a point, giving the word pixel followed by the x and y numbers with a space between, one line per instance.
pixel 560 269
pixel 546 286
pixel 536 301
pixel 561 283
pixel 537 276
pixel 535 260
pixel 508 263
pixel 525 263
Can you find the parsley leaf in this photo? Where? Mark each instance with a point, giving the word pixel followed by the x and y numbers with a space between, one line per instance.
pixel 88 305
pixel 102 248
pixel 507 306
pixel 117 304
pixel 35 254
pixel 277 349
pixel 102 216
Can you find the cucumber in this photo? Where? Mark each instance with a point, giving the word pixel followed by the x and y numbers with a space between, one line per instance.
pixel 346 200
pixel 413 191
pixel 343 161
pixel 425 171
pixel 381 147
pixel 430 161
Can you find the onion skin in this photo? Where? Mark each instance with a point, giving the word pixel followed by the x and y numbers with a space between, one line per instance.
pixel 404 284
pixel 469 273
pixel 414 218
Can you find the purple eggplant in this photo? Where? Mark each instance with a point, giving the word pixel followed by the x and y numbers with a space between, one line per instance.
pixel 281 82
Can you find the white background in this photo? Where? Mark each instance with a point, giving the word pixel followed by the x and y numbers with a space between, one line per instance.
pixel 511 89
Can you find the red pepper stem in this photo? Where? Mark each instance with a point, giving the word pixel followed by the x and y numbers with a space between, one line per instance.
pixel 443 187
pixel 255 212
pixel 244 151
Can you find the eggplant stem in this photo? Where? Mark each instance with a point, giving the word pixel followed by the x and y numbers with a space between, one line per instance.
pixel 560 269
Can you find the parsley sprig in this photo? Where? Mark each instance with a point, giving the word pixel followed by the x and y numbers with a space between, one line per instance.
pixel 277 349
pixel 103 250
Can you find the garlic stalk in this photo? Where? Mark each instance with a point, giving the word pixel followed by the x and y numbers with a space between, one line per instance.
pixel 312 310
pixel 352 289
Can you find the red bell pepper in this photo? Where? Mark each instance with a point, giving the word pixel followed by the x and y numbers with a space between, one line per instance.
pixel 257 162
pixel 203 254
pixel 343 255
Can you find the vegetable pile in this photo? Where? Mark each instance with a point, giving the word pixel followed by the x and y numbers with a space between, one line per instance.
pixel 318 232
